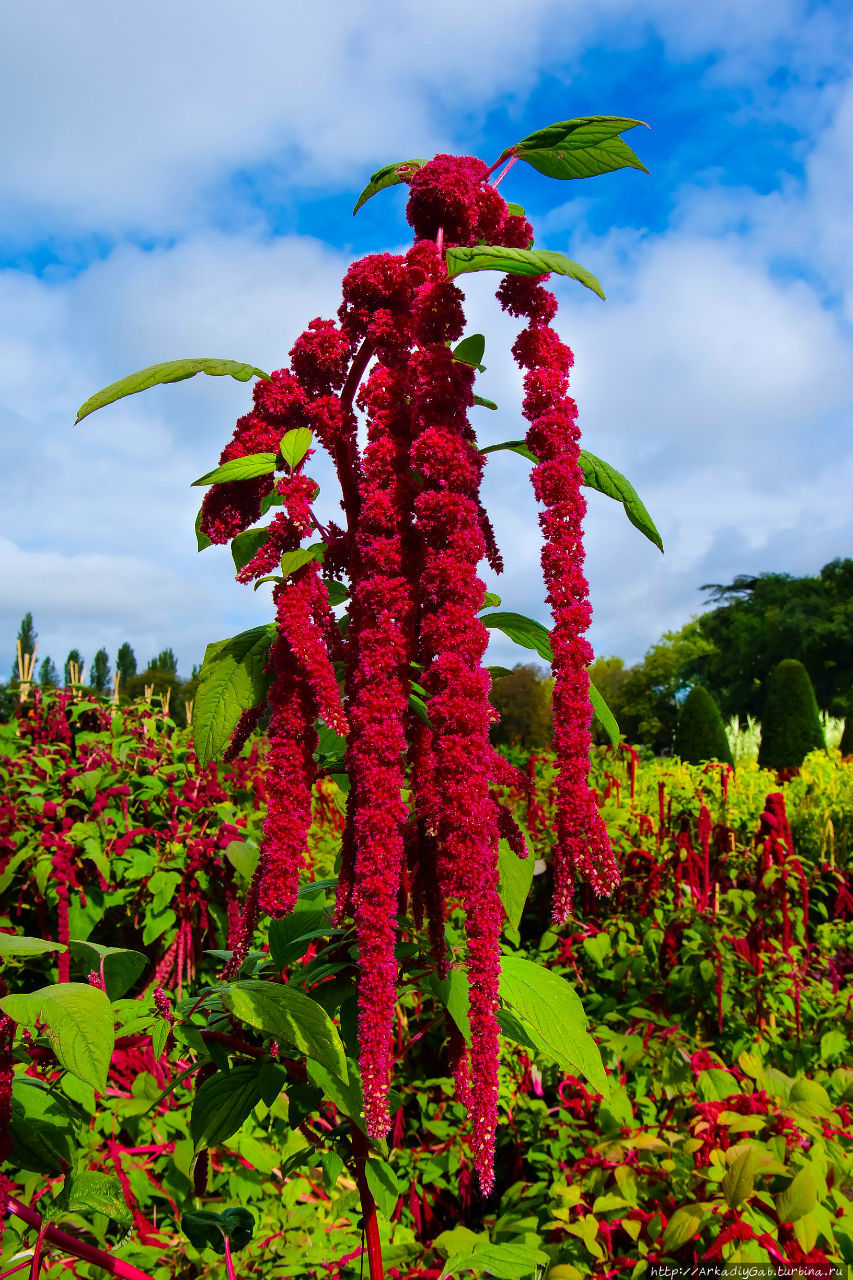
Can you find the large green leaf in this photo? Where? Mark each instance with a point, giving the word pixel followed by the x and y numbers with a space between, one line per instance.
pixel 232 680
pixel 682 1226
pixel 382 1181
pixel 42 1127
pixel 518 262
pixel 94 1193
pixel 248 467
pixel 348 1097
pixel 121 967
pixel 799 1197
pixel 223 1103
pixel 14 945
pixel 471 351
pixel 288 1014
pixel 604 715
pixel 739 1182
pixel 549 1006
pixel 294 445
pixel 522 630
pixel 79 1025
pixel 515 876
pixel 390 175
pixel 599 475
pixel 453 993
pixel 579 148
pixel 170 371
pixel 506 1261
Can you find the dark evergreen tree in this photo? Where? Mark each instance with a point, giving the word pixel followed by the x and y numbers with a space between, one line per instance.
pixel 27 636
pixel 100 677
pixel 48 674
pixel 700 734
pixel 790 723
pixel 846 743
pixel 73 656
pixel 126 662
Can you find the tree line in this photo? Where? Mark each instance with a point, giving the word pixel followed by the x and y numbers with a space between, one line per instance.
pixel 730 650
pixel 160 674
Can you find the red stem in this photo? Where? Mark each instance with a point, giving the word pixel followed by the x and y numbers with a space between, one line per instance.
pixel 77 1248
pixel 229 1264
pixel 504 171
pixel 368 1204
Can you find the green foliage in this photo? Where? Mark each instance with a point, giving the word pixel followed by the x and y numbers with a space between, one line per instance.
pixel 48 675
pixel 790 723
pixel 580 148
pixel 700 735
pixel 519 262
pixel 165 663
pixel 761 621
pixel 126 662
pixel 27 636
pixel 523 699
pixel 99 677
pixel 75 656
pixel 845 746
pixel 169 371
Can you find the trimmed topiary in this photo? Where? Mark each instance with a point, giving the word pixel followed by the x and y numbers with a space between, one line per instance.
pixel 790 726
pixel 846 744
pixel 700 735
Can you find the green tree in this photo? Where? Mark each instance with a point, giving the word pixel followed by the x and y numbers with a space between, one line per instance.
pixel 27 636
pixel 761 621
pixel 790 721
pixel 48 674
pixel 73 656
pixel 100 677
pixel 845 746
pixel 165 662
pixel 126 662
pixel 700 735
pixel 523 699
pixel 645 697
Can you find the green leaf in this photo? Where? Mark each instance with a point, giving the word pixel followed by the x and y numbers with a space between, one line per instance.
pixel 515 210
pixel 682 1226
pixel 290 936
pixel 246 468
pixel 484 403
pixel 523 631
pixel 471 351
pixel 390 175
pixel 246 545
pixel 549 1006
pixel 739 1182
pixel 518 262
pixel 607 480
pixel 95 1192
pixel 453 993
pixel 294 445
pixel 232 680
pixel 297 559
pixel 43 1128
pixel 580 148
pixel 799 1197
pixel 337 591
pixel 497 673
pixel 604 715
pixel 206 1229
pixel 201 538
pixel 288 1014
pixel 505 1261
pixel 382 1181
pixel 79 1024
pixel 491 600
pixel 714 1084
pixel 223 1103
pixel 598 475
pixel 348 1097
pixel 515 876
pixel 170 371
pixel 15 944
pixel 121 967
pixel 243 856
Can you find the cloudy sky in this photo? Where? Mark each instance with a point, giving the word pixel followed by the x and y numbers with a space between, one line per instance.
pixel 179 180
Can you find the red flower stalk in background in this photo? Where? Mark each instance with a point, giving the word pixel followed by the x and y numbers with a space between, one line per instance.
pixel 582 847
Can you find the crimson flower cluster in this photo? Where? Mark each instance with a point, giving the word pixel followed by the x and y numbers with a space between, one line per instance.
pixel 403 683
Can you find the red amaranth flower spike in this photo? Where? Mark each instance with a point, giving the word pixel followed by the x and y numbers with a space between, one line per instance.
pixel 583 846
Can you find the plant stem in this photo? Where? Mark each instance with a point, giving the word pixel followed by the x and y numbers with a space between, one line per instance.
pixel 368 1204
pixel 229 1263
pixel 77 1248
pixel 504 171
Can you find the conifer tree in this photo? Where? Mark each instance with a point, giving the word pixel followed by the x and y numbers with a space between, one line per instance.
pixel 100 677
pixel 126 662
pixel 701 735
pixel 48 674
pixel 790 725
pixel 73 656
pixel 27 636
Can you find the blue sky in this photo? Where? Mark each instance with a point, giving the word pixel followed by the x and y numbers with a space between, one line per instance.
pixel 181 183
